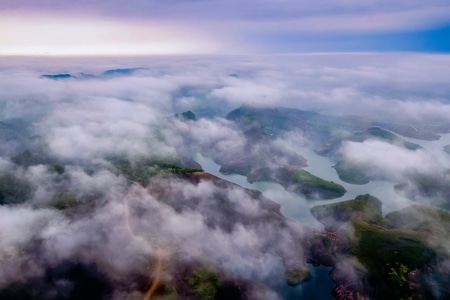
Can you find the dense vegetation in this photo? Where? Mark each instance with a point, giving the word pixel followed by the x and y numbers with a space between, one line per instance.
pixel 14 190
pixel 204 283
pixel 144 169
pixel 398 251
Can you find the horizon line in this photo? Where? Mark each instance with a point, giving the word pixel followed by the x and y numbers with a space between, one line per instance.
pixel 309 53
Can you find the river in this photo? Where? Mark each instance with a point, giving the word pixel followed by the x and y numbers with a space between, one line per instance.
pixel 298 208
pixel 295 206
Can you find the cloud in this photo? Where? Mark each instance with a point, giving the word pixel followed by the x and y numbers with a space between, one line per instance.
pixel 378 157
pixel 218 138
pixel 133 226
pixel 101 127
pixel 259 91
pixel 376 85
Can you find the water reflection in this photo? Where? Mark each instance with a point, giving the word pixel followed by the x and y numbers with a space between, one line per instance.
pixel 319 287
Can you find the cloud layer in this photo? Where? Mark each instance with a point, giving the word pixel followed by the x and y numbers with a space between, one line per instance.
pixel 82 209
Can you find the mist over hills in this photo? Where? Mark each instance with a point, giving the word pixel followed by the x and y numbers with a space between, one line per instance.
pixel 102 194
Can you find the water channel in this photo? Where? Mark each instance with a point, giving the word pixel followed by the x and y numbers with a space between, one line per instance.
pixel 297 207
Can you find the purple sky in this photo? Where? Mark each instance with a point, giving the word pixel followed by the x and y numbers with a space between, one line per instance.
pixel 209 26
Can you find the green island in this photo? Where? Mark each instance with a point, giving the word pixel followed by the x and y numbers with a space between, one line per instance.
pixel 313 187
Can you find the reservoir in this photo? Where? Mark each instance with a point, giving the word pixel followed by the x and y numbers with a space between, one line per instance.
pixel 297 207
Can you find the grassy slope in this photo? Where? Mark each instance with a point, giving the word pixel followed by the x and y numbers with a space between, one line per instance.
pixel 389 256
pixel 364 207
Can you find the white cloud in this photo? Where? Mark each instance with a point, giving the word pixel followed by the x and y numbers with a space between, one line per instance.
pixel 378 157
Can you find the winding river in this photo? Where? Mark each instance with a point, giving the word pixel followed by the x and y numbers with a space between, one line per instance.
pixel 298 208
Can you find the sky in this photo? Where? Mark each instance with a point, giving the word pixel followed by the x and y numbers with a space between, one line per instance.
pixel 117 27
pixel 180 52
